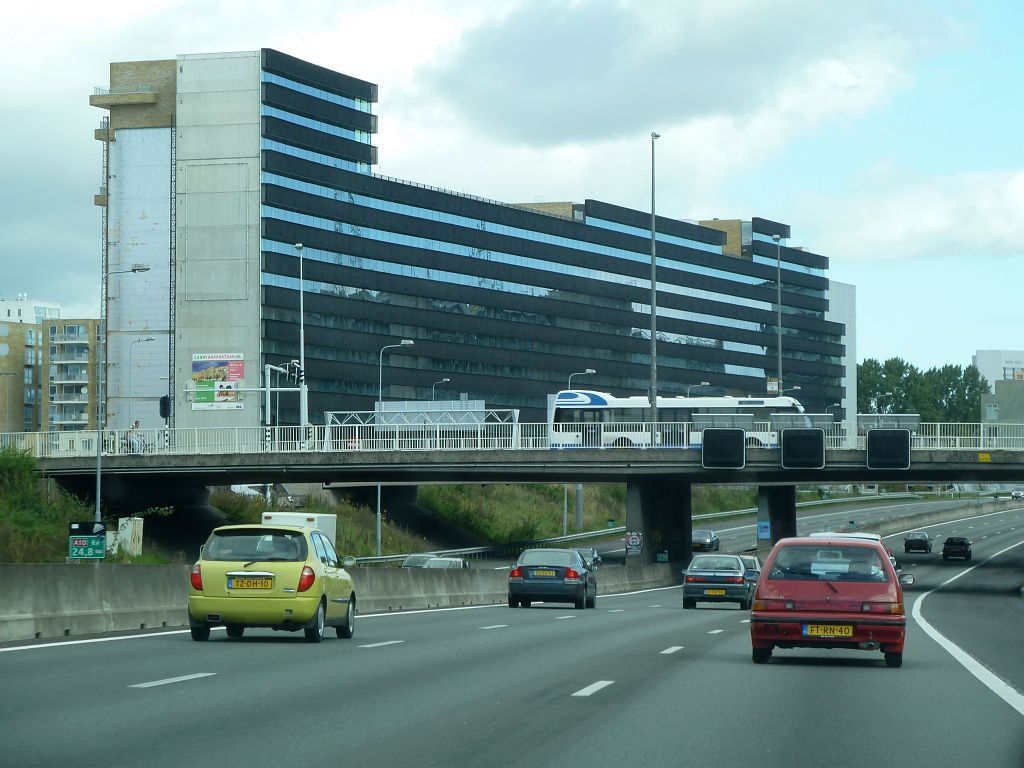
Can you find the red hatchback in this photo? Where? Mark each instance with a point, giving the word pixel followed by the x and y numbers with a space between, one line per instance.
pixel 829 593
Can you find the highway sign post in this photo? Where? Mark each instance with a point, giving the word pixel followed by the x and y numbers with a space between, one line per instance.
pixel 87 541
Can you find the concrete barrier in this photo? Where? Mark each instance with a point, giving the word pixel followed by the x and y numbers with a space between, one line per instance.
pixel 46 601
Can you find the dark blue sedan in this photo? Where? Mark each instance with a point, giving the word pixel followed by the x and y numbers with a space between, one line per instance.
pixel 551 576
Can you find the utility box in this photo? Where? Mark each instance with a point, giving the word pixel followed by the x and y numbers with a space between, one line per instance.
pixel 326 522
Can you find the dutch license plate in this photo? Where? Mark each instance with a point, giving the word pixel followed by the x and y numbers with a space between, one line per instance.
pixel 828 630
pixel 714 591
pixel 241 582
pixel 543 572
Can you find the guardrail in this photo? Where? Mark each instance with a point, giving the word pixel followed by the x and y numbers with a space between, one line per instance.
pixel 443 437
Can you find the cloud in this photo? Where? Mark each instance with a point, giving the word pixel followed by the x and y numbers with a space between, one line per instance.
pixel 891 217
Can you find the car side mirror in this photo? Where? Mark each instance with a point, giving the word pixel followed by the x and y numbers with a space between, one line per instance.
pixel 906 579
pixel 349 561
pixel 751 575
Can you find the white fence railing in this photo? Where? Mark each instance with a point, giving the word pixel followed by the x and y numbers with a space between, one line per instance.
pixel 482 437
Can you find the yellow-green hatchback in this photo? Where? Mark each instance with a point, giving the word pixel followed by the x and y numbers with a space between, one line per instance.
pixel 282 577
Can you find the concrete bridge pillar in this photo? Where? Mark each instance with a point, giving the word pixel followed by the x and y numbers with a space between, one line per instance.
pixel 661 509
pixel 776 506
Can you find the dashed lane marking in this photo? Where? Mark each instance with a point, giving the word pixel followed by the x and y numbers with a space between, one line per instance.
pixel 381 645
pixel 495 626
pixel 593 688
pixel 169 680
pixel 672 649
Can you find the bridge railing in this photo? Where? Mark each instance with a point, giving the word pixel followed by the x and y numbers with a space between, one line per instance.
pixel 441 437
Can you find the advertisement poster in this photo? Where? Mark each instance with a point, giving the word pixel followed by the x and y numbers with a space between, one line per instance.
pixel 217 377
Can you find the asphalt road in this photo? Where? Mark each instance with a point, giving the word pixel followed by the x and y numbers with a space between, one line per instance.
pixel 637 681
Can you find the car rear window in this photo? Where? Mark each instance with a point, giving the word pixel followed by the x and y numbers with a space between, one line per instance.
pixel 717 563
pixel 547 557
pixel 255 545
pixel 831 563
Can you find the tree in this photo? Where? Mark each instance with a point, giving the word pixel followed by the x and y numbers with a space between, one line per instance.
pixel 946 394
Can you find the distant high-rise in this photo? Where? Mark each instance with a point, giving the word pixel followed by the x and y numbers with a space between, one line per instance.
pixel 216 165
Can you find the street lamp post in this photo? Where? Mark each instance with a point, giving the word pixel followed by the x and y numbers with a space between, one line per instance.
pixel 101 375
pixel 778 308
pixel 580 373
pixel 131 349
pixel 654 307
pixel 380 415
pixel 303 392
pixel 442 381
pixel 789 389
pixel 702 384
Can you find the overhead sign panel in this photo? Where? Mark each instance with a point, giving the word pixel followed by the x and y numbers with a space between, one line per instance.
pixel 803 448
pixel 888 448
pixel 723 448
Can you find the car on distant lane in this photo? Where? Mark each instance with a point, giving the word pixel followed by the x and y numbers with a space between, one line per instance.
pixel 590 556
pixel 917 541
pixel 418 560
pixel 718 579
pixel 282 577
pixel 957 546
pixel 446 562
pixel 551 576
pixel 705 541
pixel 752 563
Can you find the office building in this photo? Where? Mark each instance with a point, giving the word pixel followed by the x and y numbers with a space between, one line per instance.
pixel 217 165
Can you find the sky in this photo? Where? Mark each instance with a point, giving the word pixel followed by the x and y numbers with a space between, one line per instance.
pixel 888 135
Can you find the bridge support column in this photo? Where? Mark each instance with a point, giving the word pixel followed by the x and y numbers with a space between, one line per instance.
pixel 776 506
pixel 661 510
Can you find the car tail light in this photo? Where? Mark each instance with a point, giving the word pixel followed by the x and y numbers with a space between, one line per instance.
pixel 516 573
pixel 691 579
pixel 890 608
pixel 306 579
pixel 773 605
pixel 196 578
pixel 734 580
pixel 571 575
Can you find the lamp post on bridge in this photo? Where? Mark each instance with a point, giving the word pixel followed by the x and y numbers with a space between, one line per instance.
pixel 442 381
pixel 587 372
pixel 380 416
pixel 101 375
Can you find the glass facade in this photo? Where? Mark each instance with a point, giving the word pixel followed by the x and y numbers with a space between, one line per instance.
pixel 504 300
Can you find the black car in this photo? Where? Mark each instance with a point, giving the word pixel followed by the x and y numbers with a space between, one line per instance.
pixel 918 541
pixel 705 541
pixel 551 576
pixel 957 546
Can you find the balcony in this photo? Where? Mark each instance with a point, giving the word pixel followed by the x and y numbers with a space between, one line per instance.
pixel 140 93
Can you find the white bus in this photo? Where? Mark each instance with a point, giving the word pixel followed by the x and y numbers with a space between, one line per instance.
pixel 587 419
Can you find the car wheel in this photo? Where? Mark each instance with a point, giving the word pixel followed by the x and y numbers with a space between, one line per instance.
pixel 687 603
pixel 201 633
pixel 348 629
pixel 745 604
pixel 315 633
pixel 760 655
pixel 235 631
pixel 906 550
pixel 524 603
pixel 592 601
pixel 894 658
pixel 968 556
pixel 512 602
pixel 581 602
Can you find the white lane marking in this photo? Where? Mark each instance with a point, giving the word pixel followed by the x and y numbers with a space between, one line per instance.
pixel 564 617
pixel 617 610
pixel 381 645
pixel 715 631
pixel 495 626
pixel 593 688
pixel 744 621
pixel 997 685
pixel 170 680
pixel 672 649
pixel 654 606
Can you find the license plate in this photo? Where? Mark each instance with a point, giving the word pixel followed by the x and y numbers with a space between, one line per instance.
pixel 544 573
pixel 241 582
pixel 714 591
pixel 828 630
